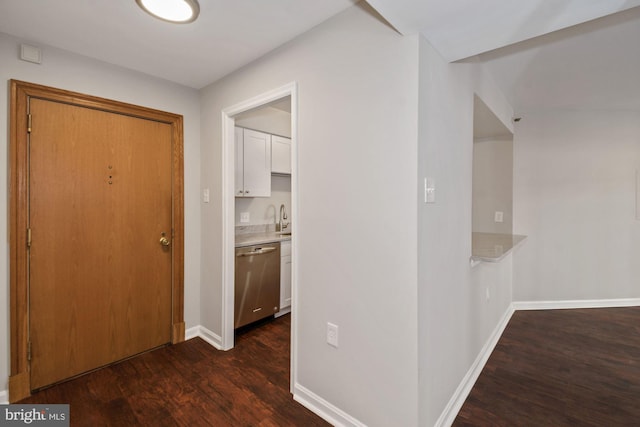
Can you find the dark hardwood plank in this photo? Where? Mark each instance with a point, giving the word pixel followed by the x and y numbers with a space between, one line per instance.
pixel 192 384
pixel 561 368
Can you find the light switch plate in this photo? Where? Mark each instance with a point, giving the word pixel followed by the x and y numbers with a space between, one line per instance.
pixel 245 217
pixel 332 334
pixel 498 216
pixel 429 190
pixel 638 195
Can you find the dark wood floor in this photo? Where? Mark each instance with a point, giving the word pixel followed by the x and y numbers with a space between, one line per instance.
pixel 192 384
pixel 561 368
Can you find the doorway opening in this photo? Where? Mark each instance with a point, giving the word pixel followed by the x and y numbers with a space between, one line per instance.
pixel 285 95
pixel 492 187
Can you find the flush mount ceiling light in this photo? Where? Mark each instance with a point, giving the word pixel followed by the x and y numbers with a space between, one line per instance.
pixel 177 11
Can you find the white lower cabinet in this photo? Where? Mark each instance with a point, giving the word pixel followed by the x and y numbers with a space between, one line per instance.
pixel 285 277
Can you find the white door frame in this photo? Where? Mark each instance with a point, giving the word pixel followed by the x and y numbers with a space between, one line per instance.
pixel 228 212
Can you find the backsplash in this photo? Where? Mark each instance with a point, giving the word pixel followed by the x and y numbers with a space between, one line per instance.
pixel 266 210
pixel 258 228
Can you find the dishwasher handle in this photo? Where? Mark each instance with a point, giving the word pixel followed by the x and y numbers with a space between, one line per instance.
pixel 258 251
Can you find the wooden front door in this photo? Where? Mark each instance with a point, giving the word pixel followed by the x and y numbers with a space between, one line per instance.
pixel 100 201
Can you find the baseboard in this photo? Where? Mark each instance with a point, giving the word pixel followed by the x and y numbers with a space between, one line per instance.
pixel 282 312
pixel 457 400
pixel 4 397
pixel 333 415
pixel 306 398
pixel 200 331
pixel 568 304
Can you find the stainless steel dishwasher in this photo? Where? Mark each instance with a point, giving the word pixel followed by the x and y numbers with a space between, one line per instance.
pixel 257 283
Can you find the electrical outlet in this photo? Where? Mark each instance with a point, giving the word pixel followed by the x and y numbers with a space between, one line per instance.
pixel 205 195
pixel 245 217
pixel 332 334
pixel 498 216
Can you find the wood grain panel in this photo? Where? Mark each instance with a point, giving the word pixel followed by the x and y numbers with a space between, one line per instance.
pixel 18 259
pixel 22 94
pixel 100 197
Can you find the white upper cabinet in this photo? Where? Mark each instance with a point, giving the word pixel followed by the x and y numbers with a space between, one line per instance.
pixel 239 163
pixel 280 155
pixel 253 163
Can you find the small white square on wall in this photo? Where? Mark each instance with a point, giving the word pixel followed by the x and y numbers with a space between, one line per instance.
pixel 30 53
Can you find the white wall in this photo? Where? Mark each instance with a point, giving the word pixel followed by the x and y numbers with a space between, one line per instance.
pixel 267 119
pixel 492 185
pixel 455 320
pixel 64 70
pixel 356 233
pixel 575 197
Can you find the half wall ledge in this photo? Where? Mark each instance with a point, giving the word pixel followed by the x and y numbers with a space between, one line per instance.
pixel 492 247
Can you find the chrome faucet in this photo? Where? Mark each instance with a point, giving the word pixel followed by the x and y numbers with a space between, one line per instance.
pixel 281 225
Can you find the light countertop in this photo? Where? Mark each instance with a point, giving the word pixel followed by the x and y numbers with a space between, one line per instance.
pixel 492 247
pixel 249 239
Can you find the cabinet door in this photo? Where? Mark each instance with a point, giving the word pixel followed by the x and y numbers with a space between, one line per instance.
pixel 239 181
pixel 285 274
pixel 285 282
pixel 280 155
pixel 257 164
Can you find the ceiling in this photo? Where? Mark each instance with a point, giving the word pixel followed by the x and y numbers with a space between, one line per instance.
pixel 227 35
pixel 463 28
pixel 592 66
pixel 542 53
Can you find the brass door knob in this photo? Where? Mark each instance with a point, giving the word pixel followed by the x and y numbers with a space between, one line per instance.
pixel 164 241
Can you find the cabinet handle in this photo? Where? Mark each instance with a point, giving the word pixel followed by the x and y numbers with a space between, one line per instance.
pixel 247 192
pixel 257 251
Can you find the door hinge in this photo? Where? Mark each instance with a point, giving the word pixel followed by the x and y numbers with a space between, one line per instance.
pixel 28 123
pixel 29 351
pixel 28 237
